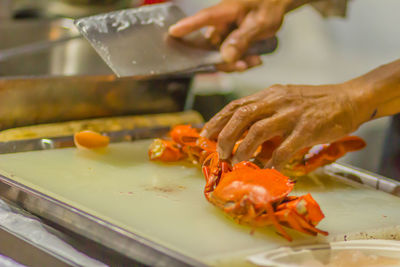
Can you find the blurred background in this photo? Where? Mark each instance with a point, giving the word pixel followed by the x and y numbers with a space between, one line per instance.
pixel 312 50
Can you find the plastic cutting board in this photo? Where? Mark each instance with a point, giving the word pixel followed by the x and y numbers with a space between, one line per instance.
pixel 165 203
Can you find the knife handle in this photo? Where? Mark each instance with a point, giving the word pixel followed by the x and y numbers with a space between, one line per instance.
pixel 263 47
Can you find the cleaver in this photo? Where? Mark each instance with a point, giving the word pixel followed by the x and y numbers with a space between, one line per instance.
pixel 135 42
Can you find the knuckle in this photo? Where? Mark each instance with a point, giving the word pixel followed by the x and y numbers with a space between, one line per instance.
pixel 257 130
pixel 206 14
pixel 262 20
pixel 234 104
pixel 244 112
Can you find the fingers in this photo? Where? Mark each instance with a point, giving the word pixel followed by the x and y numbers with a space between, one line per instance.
pixel 217 123
pixel 244 64
pixel 237 42
pixel 258 24
pixel 260 132
pixel 193 23
pixel 236 126
pixel 292 144
pixel 215 34
pixel 220 14
pixel 213 127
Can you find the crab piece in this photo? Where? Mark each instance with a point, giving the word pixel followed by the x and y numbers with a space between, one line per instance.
pixel 248 192
pixel 248 181
pixel 301 213
pixel 213 169
pixel 184 135
pixel 164 150
pixel 310 159
pixel 90 140
pixel 258 197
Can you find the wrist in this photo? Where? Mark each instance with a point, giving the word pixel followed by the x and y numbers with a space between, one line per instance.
pixel 361 101
pixel 377 93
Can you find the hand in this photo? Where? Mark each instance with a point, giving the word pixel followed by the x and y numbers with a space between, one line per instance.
pixel 303 115
pixel 236 24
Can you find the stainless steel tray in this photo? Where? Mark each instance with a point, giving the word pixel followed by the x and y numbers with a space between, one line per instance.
pixel 111 236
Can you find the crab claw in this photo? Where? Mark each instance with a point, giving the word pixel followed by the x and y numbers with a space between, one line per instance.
pixel 312 158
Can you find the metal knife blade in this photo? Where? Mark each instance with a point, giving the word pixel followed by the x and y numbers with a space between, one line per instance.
pixel 135 42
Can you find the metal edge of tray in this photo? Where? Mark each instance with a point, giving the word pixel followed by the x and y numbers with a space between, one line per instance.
pixel 26 145
pixel 359 176
pixel 105 233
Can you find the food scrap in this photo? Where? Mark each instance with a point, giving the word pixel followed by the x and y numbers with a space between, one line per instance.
pixel 90 140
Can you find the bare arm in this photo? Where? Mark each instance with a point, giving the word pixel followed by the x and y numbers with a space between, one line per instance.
pixel 304 115
pixel 380 92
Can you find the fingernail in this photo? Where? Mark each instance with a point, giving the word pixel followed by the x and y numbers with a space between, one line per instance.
pixel 171 29
pixel 241 65
pixel 229 53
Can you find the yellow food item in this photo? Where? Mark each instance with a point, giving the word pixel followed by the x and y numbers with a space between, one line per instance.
pixel 90 140
pixel 100 125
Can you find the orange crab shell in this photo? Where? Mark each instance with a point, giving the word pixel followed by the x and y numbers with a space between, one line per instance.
pixel 305 206
pixel 258 185
pixel 308 160
pixel 165 150
pixel 184 135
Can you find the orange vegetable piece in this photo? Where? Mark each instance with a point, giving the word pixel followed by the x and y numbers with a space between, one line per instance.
pixel 90 140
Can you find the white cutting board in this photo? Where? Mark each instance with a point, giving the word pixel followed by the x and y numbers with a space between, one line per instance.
pixel 165 203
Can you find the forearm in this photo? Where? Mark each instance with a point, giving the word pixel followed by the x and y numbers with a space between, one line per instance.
pixel 377 93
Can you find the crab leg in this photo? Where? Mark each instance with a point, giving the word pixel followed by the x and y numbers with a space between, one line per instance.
pixel 275 222
pixel 293 221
